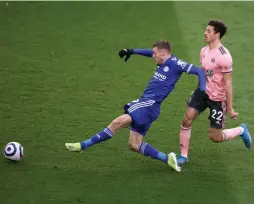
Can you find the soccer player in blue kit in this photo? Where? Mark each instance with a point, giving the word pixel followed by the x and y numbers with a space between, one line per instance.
pixel 140 114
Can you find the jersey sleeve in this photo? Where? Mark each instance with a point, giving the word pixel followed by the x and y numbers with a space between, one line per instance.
pixel 143 52
pixel 183 66
pixel 225 63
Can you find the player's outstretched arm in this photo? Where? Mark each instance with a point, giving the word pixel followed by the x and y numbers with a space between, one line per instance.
pixel 128 52
pixel 143 52
pixel 201 76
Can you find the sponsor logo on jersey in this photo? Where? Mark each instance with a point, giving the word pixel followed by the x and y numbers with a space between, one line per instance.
pixel 159 76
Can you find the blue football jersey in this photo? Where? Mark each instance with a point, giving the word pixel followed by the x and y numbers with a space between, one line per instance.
pixel 165 78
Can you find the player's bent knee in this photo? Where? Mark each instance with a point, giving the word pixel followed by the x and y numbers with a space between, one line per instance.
pixel 190 115
pixel 187 122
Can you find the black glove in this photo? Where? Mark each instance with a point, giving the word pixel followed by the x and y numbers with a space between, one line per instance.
pixel 126 52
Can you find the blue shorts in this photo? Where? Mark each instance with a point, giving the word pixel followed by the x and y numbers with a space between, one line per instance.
pixel 143 112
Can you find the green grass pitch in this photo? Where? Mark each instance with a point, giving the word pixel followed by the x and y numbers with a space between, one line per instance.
pixel 61 80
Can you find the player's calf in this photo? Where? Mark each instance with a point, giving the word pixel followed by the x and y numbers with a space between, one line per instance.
pixel 134 146
pixel 137 145
pixel 219 135
pixel 135 141
pixel 216 135
pixel 102 136
pixel 185 132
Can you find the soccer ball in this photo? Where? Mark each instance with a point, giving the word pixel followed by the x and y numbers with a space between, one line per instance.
pixel 14 151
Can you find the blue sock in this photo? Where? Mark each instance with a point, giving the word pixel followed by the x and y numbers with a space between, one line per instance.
pixel 149 151
pixel 102 136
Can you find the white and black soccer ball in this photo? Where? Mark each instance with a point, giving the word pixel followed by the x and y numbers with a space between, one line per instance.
pixel 14 151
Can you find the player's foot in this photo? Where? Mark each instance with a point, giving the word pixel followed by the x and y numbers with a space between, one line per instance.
pixel 181 160
pixel 246 137
pixel 172 162
pixel 73 147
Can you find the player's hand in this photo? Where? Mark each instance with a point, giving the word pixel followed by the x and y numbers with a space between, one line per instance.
pixel 232 114
pixel 127 53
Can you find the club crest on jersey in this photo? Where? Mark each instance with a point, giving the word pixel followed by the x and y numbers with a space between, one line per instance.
pixel 213 60
pixel 166 69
